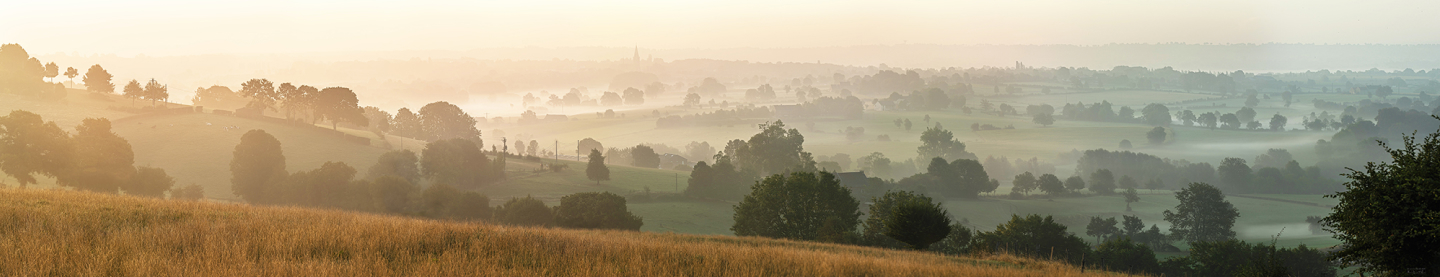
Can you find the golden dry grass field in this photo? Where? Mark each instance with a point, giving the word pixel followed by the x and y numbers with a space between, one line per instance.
pixel 68 233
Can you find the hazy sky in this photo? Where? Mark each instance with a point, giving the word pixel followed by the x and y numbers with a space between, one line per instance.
pixel 165 27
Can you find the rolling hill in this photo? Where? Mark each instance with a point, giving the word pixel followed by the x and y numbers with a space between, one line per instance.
pixel 112 235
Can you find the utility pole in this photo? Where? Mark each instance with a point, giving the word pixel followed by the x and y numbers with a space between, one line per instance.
pixel 677 182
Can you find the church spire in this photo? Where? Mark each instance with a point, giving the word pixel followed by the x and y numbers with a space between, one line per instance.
pixel 637 53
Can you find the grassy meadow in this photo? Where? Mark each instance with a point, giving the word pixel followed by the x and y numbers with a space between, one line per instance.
pixel 111 235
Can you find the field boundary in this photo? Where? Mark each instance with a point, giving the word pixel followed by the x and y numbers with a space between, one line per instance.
pixel 1283 200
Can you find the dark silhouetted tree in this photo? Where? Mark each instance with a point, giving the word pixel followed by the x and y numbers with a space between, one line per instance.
pixel 97 80
pixel 339 104
pixel 1050 184
pixel 262 94
pixel 1024 182
pixel 103 161
pixel 154 91
pixel 1202 215
pixel 1044 119
pixel 1277 122
pixel 1386 218
pixel 1124 255
pixel 918 223
pixel 1033 236
pixel 1156 136
pixel 1075 183
pixel 133 90
pixel 1130 197
pixel 801 206
pixel 71 72
pixel 1102 182
pixel 1155 115
pixel 938 142
pixel 596 169
pixel 1102 228
pixel 257 168
pixel 52 70
pixel 29 145
pixel 442 120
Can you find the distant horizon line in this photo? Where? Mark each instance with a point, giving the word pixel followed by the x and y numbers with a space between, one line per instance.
pixel 632 47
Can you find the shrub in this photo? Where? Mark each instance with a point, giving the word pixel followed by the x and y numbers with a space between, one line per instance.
pixel 918 223
pixel 595 210
pixel 526 211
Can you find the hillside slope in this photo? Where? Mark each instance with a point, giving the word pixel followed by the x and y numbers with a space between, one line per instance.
pixel 197 147
pixel 63 233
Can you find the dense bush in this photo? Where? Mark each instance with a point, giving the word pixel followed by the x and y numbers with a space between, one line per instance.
pixel 595 210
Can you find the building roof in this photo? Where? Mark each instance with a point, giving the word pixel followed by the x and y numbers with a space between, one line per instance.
pixel 852 179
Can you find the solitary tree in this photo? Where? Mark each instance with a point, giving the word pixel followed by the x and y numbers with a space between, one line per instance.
pixel 595 210
pixel 1130 197
pixel 1202 215
pixel 918 223
pixel 155 91
pixel 596 169
pixel 1043 119
pixel 71 72
pixel 1386 218
pixel 257 168
pixel 1156 114
pixel 52 70
pixel 1156 135
pixel 133 90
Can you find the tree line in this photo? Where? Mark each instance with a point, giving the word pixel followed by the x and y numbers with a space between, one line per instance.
pixel 92 159
pixel 393 185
